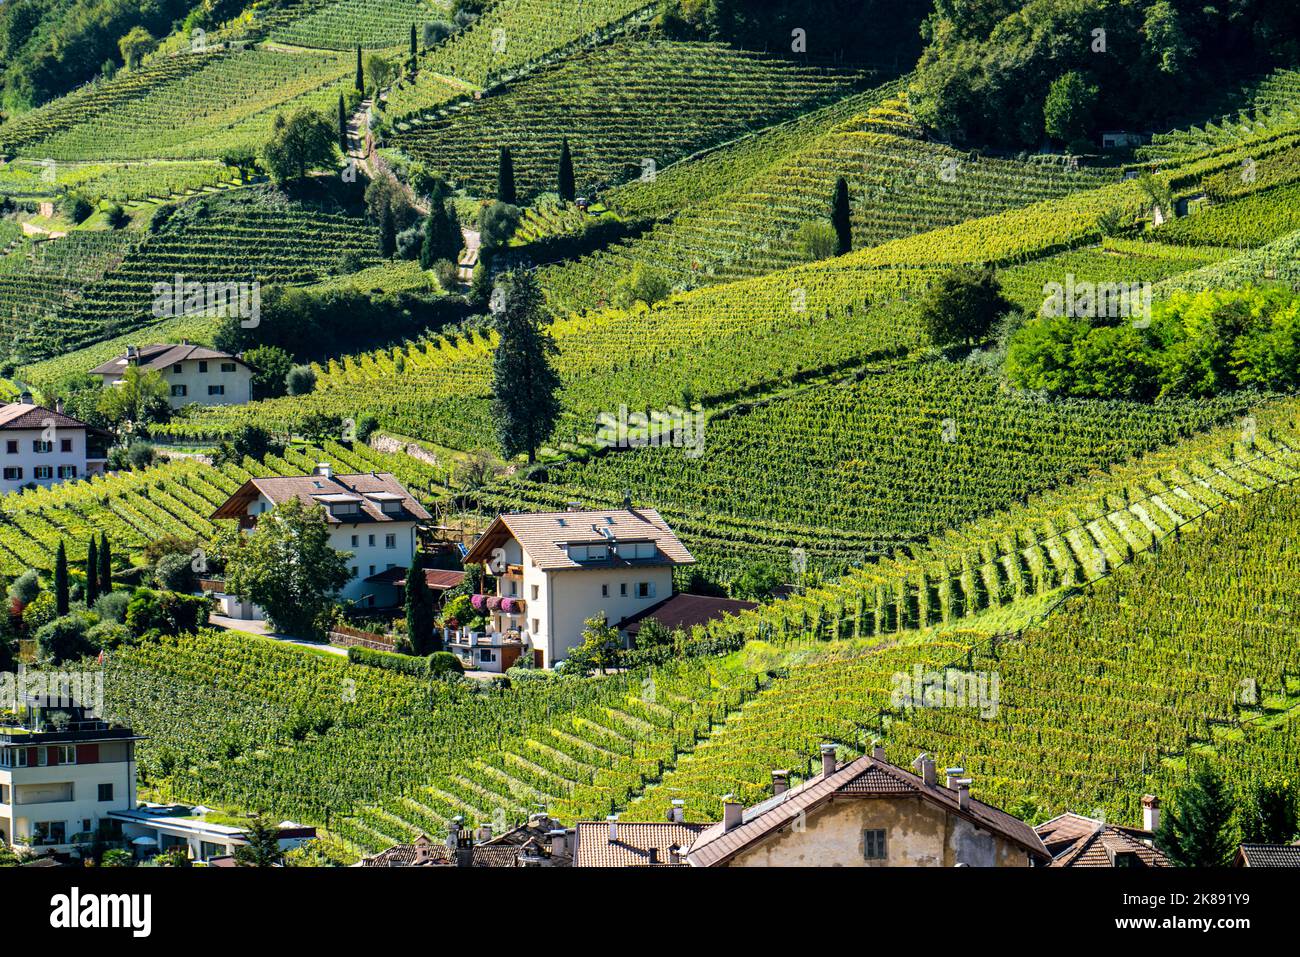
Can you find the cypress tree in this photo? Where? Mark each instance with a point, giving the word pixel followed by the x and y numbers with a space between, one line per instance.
pixel 361 73
pixel 565 182
pixel 343 126
pixel 92 572
pixel 105 565
pixel 840 218
pixel 525 386
pixel 506 178
pixel 387 232
pixel 414 48
pixel 419 608
pixel 61 580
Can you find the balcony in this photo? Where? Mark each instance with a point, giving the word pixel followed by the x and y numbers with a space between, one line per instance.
pixel 496 604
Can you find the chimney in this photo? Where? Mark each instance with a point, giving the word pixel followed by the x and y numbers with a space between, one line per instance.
pixel 484 833
pixel 674 854
pixel 654 856
pixel 828 760
pixel 132 353
pixel 421 850
pixel 677 814
pixel 453 832
pixel 613 827
pixel 25 398
pixel 58 405
pixel 559 839
pixel 924 764
pixel 733 813
pixel 951 775
pixel 878 753
pixel 323 469
pixel 780 782
pixel 627 500
pixel 963 793
pixel 1150 813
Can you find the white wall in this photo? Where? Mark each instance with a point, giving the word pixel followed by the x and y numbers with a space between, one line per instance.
pixel 85 803
pixel 27 459
pixel 237 384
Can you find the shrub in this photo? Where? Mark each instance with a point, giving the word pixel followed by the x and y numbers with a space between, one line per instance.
pixel 301 380
pixel 40 611
pixel 174 573
pixel 167 612
pixel 112 607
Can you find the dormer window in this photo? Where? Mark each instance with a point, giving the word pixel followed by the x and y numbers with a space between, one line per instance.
pixel 589 553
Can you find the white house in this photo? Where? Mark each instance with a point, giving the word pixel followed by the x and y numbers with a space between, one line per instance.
pixel 44 446
pixel 194 373
pixel 554 570
pixel 371 516
pixel 62 773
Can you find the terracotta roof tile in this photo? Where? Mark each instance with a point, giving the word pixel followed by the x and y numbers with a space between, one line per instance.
pixel 24 415
pixel 543 536
pixel 1077 841
pixel 313 488
pixel 685 611
pixel 634 844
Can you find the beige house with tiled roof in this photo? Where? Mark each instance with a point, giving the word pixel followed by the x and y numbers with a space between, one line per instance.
pixel 371 516
pixel 192 373
pixel 868 813
pixel 557 569
pixel 40 446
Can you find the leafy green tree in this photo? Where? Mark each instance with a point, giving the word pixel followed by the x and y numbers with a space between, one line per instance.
pixel 653 634
pixel 141 397
pixel 841 219
pixel 497 223
pixel 565 184
pixel 756 583
pixel 92 573
pixel 135 45
pixel 61 603
pixel 525 386
pixel 599 648
pixel 304 142
pixel 963 306
pixel 286 566
pixel 379 73
pixel 644 283
pixel 263 847
pixel 419 608
pixel 242 159
pixel 301 380
pixel 270 366
pixel 816 239
pixel 1197 831
pixel 1070 107
pixel 64 639
pixel 1270 816
pixel 506 192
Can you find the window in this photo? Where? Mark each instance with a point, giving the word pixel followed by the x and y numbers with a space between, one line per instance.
pixel 227 367
pixel 354 541
pixel 179 390
pixel 390 541
pixel 537 626
pixel 86 825
pixel 372 569
pixel 216 390
pixel 42 757
pixel 645 589
pixel 13 475
pixel 604 591
pixel 622 588
pixel 873 845
pixel 176 368
pixel 11 446
pixel 67 754
pixel 485 655
pixel 50 832
pixel 203 365
pixel 65 445
pixel 588 553
pixel 106 792
pixel 354 571
pixel 67 471
pixel 534 593
pixel 40 445
pixel 370 540
pixel 44 472
pixel 514 588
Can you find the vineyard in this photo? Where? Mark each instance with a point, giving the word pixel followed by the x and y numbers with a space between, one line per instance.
pixel 618 106
pixel 342 24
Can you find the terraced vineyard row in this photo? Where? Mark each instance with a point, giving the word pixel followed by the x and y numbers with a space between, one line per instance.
pixel 342 24
pixel 1193 649
pixel 208 104
pixel 620 107
pixel 1252 221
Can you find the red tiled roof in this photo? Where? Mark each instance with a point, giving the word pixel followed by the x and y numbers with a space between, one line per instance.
pixel 24 415
pixel 439 579
pixel 684 611
pixel 633 844
pixel 864 778
pixel 1077 841
pixel 544 535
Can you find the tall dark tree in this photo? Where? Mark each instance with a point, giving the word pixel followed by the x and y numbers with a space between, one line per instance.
pixel 387 232
pixel 61 602
pixel 1270 816
pixel 343 125
pixel 564 181
pixel 841 219
pixel 105 565
pixel 419 609
pixel 1197 831
pixel 506 192
pixel 442 236
pixel 263 847
pixel 963 306
pixel 92 572
pixel 361 73
pixel 525 387
pixel 415 49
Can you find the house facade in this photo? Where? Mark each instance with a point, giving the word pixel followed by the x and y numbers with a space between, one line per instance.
pixel 63 773
pixel 159 828
pixel 371 515
pixel 554 570
pixel 869 813
pixel 44 447
pixel 194 374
